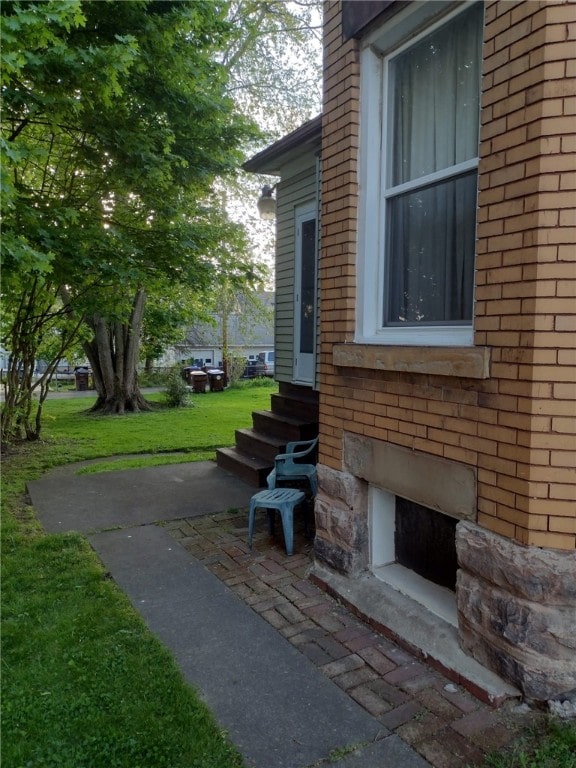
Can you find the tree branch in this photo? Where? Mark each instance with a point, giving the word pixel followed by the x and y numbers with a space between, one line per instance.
pixel 18 130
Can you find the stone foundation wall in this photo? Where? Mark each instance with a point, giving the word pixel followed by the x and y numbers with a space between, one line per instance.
pixel 517 610
pixel 341 513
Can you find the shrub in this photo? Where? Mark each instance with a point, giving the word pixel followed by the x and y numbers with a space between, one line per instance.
pixel 176 394
pixel 156 377
pixel 235 368
pixel 263 382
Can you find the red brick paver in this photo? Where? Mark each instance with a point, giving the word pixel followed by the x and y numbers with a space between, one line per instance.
pixel 441 721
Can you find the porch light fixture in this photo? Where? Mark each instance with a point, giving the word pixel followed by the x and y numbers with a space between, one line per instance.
pixel 267 204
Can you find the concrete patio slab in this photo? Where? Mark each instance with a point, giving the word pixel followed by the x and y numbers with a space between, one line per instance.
pixel 66 501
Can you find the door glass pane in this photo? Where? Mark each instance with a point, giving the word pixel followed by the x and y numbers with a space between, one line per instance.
pixel 430 254
pixel 307 285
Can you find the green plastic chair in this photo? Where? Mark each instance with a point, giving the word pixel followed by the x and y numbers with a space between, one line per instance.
pixel 287 468
pixel 282 499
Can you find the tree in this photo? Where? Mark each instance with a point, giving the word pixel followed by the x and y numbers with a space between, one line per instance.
pixel 274 61
pixel 231 301
pixel 275 64
pixel 115 124
pixel 168 310
pixel 117 118
pixel 36 327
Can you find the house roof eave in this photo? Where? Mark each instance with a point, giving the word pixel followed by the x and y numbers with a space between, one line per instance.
pixel 271 160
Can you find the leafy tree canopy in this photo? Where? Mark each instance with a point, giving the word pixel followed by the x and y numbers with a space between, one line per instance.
pixel 275 66
pixel 115 122
pixel 117 118
pixel 274 60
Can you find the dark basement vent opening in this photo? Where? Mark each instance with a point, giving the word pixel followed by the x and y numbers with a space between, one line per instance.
pixel 413 551
pixel 425 542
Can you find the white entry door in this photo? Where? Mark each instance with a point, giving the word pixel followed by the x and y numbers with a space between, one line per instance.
pixel 305 294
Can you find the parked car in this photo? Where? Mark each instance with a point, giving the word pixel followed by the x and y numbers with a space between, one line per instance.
pixel 253 369
pixel 261 365
pixel 267 359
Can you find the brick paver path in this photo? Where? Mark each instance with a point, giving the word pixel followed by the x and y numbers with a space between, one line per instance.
pixel 442 721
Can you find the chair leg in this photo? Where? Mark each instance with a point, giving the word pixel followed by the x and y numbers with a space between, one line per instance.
pixel 308 514
pixel 271 519
pixel 287 513
pixel 251 516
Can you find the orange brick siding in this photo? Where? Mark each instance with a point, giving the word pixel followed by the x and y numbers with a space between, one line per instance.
pixel 517 428
pixel 341 118
pixel 525 276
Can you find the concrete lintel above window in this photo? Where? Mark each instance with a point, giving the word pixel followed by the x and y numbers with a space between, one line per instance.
pixel 464 362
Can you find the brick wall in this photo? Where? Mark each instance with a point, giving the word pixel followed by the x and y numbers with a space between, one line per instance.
pixel 337 267
pixel 517 428
pixel 526 280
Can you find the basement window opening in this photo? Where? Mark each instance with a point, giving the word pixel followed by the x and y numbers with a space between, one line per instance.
pixel 413 550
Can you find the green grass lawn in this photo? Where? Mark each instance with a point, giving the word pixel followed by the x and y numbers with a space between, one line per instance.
pixel 551 745
pixel 84 684
pixel 207 425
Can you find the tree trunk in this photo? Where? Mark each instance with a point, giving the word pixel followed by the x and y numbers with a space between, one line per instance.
pixel 113 355
pixel 24 390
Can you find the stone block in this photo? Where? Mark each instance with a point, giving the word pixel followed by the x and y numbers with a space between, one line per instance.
pixel 342 485
pixel 334 556
pixel 538 680
pixel 526 626
pixel 446 486
pixel 517 611
pixel 340 523
pixel 542 575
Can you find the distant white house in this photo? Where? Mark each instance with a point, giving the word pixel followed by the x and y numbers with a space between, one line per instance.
pixel 246 334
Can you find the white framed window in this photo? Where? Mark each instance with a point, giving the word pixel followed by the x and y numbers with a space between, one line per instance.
pixel 420 102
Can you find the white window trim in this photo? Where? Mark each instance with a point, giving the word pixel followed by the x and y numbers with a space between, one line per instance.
pixel 413 23
pixel 432 178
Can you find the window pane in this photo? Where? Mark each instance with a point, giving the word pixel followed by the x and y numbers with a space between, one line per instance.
pixel 430 254
pixel 307 286
pixel 434 87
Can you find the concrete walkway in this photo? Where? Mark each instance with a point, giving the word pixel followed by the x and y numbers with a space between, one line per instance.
pixel 293 676
pixel 278 708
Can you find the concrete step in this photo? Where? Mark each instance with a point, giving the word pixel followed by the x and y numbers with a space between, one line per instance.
pixel 287 428
pixel 259 444
pixel 293 416
pixel 253 470
pixel 296 406
pixel 298 390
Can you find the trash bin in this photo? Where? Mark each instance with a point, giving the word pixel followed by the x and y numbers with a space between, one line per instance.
pixel 199 380
pixel 187 373
pixel 82 376
pixel 216 380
